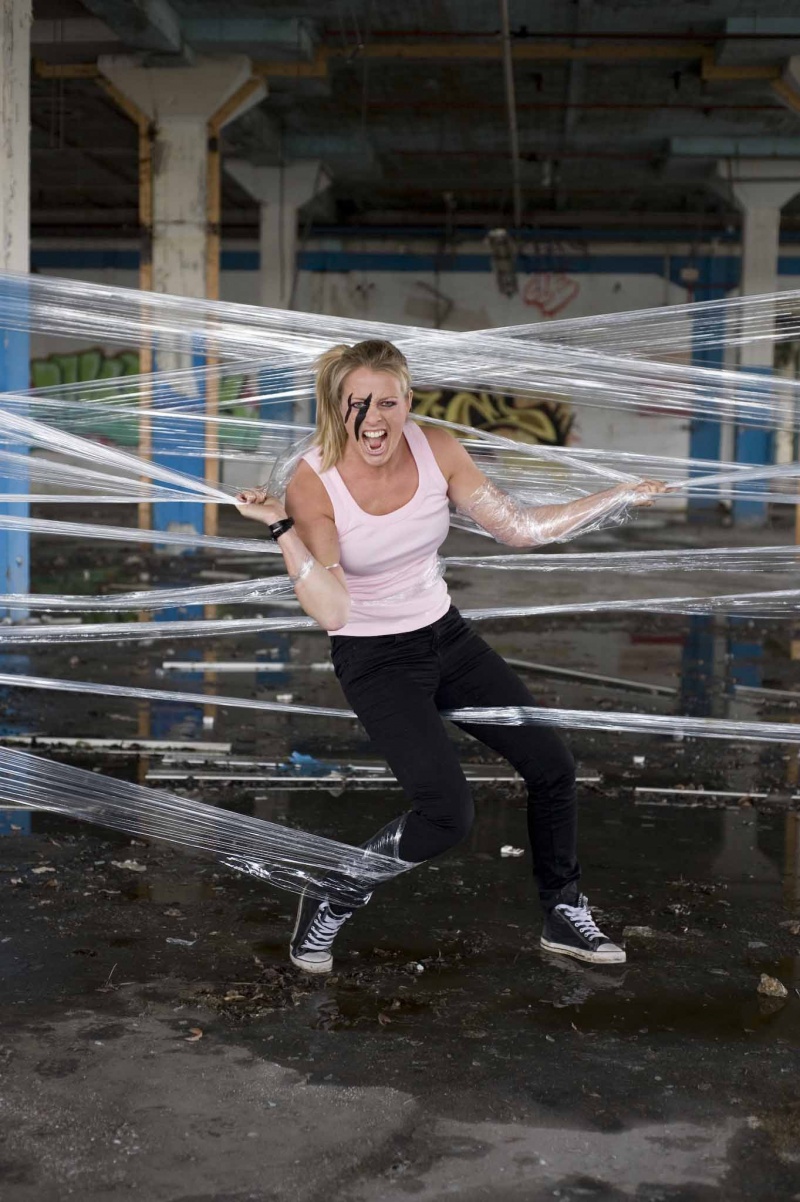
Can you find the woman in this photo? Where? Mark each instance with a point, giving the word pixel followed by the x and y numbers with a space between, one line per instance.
pixel 366 513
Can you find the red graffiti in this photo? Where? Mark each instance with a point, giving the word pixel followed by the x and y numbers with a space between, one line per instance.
pixel 550 292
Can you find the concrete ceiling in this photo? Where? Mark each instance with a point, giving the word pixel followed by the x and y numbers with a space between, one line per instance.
pixel 624 107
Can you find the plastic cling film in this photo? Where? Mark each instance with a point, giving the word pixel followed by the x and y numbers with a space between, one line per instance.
pixel 241 592
pixel 674 329
pixel 105 632
pixel 552 478
pixel 695 559
pixel 286 857
pixel 285 465
pixel 629 723
pixel 130 534
pixel 79 687
pixel 516 525
pixel 622 722
pixel 775 603
pixel 479 360
pixel 779 603
pixel 522 467
pixel 20 428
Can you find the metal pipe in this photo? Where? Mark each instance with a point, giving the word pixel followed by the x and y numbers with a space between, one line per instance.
pixel 591 677
pixel 511 103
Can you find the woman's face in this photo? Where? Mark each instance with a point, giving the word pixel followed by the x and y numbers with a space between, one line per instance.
pixel 374 409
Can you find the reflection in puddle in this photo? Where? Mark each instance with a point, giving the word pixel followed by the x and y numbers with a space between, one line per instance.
pixel 166 891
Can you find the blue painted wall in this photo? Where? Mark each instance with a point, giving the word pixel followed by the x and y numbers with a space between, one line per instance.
pixel 14 377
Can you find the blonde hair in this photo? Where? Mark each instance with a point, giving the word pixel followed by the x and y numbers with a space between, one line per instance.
pixel 332 368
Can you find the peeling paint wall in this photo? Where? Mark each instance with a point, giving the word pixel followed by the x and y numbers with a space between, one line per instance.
pixel 15 20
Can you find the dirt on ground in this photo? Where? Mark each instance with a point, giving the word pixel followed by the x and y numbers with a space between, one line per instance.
pixel 156 1044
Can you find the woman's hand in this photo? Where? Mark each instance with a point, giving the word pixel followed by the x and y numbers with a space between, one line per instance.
pixel 258 504
pixel 642 492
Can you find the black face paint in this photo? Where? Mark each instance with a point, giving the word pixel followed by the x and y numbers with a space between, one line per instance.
pixel 362 413
pixel 362 407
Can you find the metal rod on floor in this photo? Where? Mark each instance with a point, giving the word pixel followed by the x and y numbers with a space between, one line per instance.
pixel 592 677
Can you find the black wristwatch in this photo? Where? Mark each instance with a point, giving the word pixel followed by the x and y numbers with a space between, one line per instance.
pixel 276 529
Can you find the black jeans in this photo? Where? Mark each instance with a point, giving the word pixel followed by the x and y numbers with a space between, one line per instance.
pixel 398 683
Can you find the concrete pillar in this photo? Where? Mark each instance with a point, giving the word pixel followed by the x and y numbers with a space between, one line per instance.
pixel 761 187
pixel 281 192
pixel 185 105
pixel 181 101
pixel 15 21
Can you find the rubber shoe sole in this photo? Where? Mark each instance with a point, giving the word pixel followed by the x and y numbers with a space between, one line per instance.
pixel 616 957
pixel 319 967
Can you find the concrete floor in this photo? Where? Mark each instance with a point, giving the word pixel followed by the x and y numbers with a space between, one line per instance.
pixel 155 1044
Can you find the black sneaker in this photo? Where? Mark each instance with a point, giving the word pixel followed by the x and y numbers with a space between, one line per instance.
pixel 317 925
pixel 571 930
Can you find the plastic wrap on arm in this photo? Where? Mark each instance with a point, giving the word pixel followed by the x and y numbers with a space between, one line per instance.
pixel 517 525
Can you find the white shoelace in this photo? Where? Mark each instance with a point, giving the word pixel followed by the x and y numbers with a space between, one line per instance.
pixel 324 929
pixel 581 916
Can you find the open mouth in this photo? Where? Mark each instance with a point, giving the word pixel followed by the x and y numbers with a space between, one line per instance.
pixel 374 441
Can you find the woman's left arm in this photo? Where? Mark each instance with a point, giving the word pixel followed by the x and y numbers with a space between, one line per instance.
pixel 519 525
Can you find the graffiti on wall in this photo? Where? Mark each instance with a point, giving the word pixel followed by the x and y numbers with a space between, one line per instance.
pixel 237 393
pixel 551 292
pixel 548 422
pixel 82 367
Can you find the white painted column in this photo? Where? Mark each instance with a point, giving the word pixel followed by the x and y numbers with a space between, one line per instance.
pixel 15 22
pixel 761 187
pixel 180 101
pixel 281 192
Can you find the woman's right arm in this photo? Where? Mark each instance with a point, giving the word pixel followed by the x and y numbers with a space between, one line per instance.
pixel 310 549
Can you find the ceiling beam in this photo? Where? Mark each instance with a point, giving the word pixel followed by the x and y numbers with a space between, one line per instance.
pixel 72 31
pixel 735 148
pixel 291 36
pixel 150 25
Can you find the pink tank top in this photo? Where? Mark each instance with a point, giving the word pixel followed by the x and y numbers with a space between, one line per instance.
pixel 390 561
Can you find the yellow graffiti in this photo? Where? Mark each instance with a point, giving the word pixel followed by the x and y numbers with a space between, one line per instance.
pixel 545 422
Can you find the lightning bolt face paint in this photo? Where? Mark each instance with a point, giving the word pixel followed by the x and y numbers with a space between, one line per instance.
pixel 362 408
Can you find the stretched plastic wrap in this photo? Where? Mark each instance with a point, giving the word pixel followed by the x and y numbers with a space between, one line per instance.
pixel 171 414
pixel 130 534
pixel 537 474
pixel 516 525
pixel 779 603
pixel 106 632
pixel 675 725
pixel 628 723
pixel 258 590
pixel 695 559
pixel 674 329
pixel 478 360
pixel 19 428
pixel 286 857
pixel 240 592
